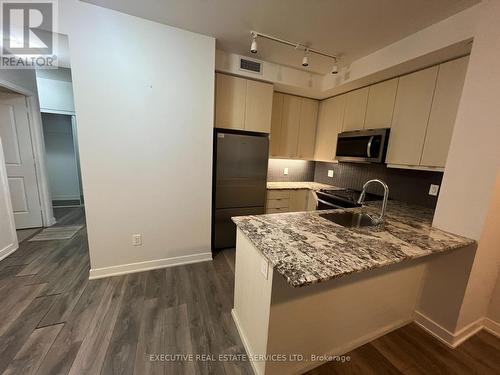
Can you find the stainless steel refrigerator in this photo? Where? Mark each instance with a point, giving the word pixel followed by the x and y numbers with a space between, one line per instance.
pixel 239 187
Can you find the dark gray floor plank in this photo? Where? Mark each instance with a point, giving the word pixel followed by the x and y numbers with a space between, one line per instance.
pixel 66 302
pixel 178 340
pixel 19 331
pixel 91 353
pixel 151 339
pixel 28 359
pixel 13 305
pixel 122 348
pixel 65 348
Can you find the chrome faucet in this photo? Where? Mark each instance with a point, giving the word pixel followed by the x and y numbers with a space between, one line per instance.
pixel 361 199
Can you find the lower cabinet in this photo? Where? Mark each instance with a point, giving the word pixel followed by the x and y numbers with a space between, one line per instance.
pixel 290 200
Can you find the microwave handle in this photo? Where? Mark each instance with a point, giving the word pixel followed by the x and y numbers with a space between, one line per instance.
pixel 369 147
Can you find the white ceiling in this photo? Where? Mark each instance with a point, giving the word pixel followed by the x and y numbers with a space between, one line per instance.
pixel 350 28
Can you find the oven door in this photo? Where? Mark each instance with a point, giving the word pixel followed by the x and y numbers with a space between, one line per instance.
pixel 362 146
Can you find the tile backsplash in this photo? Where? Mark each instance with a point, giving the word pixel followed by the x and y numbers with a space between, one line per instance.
pixel 405 185
pixel 298 170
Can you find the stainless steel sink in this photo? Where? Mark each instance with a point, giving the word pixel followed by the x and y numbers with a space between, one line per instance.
pixel 351 219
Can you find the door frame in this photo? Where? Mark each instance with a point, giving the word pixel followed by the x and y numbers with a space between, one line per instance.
pixel 38 145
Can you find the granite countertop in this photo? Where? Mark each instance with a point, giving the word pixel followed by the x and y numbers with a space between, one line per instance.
pixel 306 248
pixel 298 185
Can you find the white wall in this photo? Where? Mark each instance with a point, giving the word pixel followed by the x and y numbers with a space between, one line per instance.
pixel 8 237
pixel 61 158
pixel 55 90
pixel 144 95
pixel 469 182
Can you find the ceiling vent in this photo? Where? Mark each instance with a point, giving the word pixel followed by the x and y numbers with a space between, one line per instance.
pixel 250 65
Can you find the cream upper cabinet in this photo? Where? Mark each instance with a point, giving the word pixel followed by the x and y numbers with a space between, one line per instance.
pixel 380 107
pixel 290 126
pixel 307 128
pixel 449 86
pixel 411 114
pixel 242 104
pixel 230 98
pixel 330 120
pixel 355 109
pixel 276 117
pixel 258 108
pixel 293 126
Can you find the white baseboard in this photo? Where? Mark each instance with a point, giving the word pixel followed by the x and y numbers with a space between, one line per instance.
pixel 7 250
pixel 451 339
pixel 99 273
pixel 492 327
pixel 244 340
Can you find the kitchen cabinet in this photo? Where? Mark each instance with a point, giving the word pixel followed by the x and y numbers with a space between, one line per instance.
pixel 298 200
pixel 290 122
pixel 411 115
pixel 290 200
pixel 242 104
pixel 258 106
pixel 330 120
pixel 293 127
pixel 230 98
pixel 380 106
pixel 276 116
pixel 449 86
pixel 355 109
pixel 307 129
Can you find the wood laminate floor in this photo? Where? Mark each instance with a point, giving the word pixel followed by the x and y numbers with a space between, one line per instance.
pixel 55 321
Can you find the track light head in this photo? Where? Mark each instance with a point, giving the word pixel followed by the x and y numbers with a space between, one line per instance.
pixel 253 47
pixel 305 59
pixel 335 69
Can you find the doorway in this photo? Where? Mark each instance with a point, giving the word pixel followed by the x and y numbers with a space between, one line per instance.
pixel 63 163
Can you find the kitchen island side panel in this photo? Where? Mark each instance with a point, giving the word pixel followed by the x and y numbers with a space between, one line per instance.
pixel 252 299
pixel 336 316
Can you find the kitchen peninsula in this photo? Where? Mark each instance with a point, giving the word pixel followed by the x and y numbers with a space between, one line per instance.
pixel 303 284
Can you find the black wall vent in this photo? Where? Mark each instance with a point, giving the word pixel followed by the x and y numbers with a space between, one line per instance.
pixel 250 66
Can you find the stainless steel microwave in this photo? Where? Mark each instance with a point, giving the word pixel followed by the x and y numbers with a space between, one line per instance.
pixel 365 146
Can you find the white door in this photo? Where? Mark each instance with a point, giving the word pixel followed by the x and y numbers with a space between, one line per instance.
pixel 18 152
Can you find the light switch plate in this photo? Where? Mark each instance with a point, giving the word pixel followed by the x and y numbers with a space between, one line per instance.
pixel 433 190
pixel 285 171
pixel 264 268
pixel 330 173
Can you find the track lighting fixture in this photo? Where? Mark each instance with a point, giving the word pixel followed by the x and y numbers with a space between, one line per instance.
pixel 253 47
pixel 297 46
pixel 305 59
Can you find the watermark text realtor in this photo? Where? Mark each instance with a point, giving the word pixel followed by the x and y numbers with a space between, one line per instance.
pixel 28 40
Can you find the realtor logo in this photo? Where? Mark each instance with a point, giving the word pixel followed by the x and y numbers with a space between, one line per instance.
pixel 27 34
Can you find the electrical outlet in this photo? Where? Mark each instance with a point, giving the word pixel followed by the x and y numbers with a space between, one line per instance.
pixel 330 173
pixel 285 171
pixel 433 190
pixel 264 268
pixel 136 240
